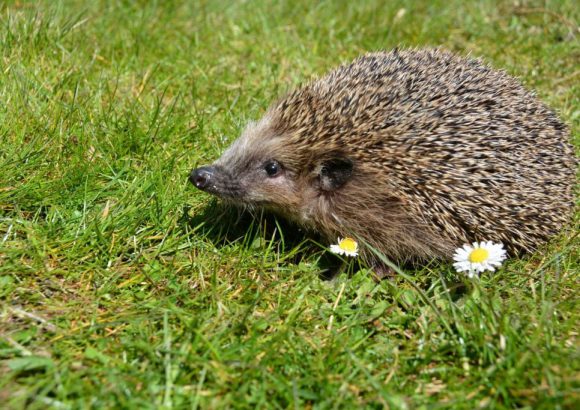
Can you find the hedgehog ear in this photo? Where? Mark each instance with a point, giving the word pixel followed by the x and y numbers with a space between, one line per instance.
pixel 334 173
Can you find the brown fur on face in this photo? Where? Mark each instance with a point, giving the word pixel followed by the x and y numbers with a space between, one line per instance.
pixel 415 152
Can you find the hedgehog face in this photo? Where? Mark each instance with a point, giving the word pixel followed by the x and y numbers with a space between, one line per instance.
pixel 250 172
pixel 260 169
pixel 259 181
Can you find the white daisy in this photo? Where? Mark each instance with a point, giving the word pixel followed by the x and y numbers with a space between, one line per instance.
pixel 478 257
pixel 346 246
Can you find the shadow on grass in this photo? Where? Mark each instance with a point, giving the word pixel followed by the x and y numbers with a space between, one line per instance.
pixel 223 225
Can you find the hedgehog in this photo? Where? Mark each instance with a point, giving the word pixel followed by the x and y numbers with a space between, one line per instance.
pixel 413 152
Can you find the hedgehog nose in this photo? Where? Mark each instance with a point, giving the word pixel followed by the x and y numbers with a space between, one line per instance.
pixel 201 177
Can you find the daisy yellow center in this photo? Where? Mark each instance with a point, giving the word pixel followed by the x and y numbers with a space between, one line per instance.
pixel 478 255
pixel 348 244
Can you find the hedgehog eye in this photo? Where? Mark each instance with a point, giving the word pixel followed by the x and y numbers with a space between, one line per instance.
pixel 272 168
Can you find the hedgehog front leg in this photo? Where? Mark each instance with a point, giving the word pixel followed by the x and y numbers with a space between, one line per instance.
pixel 382 272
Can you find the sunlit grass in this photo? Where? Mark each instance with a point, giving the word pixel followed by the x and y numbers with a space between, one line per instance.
pixel 123 287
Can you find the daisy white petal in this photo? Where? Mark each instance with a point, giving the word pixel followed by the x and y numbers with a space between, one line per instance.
pixel 479 257
pixel 336 249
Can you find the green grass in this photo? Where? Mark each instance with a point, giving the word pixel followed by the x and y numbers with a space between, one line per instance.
pixel 123 287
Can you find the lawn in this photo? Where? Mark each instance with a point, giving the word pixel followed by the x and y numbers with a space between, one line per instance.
pixel 121 286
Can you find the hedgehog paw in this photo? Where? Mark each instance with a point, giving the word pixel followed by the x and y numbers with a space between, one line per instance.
pixel 382 272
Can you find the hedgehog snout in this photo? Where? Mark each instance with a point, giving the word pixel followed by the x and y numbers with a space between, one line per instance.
pixel 216 180
pixel 202 177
